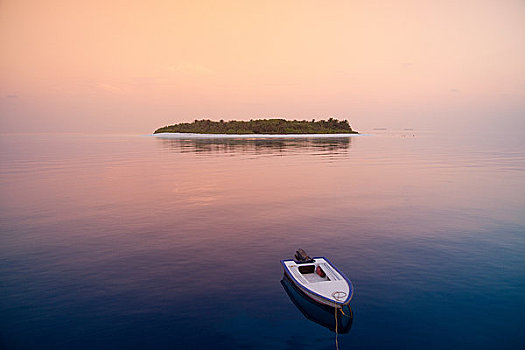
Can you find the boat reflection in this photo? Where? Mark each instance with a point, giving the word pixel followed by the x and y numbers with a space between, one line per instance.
pixel 319 313
pixel 274 145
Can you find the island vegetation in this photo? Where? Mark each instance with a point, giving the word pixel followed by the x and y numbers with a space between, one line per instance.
pixel 261 126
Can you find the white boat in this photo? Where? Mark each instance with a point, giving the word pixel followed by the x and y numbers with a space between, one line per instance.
pixel 319 279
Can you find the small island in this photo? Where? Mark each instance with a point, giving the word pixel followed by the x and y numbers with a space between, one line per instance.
pixel 261 126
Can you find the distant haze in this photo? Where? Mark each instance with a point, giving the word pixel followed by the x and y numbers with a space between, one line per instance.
pixel 133 66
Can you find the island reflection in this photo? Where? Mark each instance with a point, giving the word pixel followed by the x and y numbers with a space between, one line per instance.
pixel 259 146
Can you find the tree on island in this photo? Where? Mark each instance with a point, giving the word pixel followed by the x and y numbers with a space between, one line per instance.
pixel 261 126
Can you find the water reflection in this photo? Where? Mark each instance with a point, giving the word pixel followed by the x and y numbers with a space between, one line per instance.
pixel 320 314
pixel 279 146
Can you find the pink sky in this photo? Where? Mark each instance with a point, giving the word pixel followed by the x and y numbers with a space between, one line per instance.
pixel 133 66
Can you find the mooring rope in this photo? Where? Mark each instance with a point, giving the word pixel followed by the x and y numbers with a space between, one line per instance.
pixel 337 295
pixel 344 313
pixel 335 315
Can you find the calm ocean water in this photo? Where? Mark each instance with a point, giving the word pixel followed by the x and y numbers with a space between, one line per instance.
pixel 140 242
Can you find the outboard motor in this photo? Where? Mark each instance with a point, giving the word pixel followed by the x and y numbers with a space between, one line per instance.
pixel 302 258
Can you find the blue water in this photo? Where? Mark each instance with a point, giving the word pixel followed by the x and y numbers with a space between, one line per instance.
pixel 139 242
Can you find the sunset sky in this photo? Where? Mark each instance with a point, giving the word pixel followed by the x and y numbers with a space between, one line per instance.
pixel 133 66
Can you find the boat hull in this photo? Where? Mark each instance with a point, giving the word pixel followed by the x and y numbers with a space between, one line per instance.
pixel 317 312
pixel 322 292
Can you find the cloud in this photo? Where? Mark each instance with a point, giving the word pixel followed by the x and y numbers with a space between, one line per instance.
pixel 111 88
pixel 190 68
pixel 12 96
pixel 455 91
